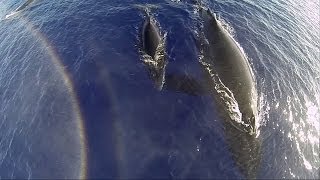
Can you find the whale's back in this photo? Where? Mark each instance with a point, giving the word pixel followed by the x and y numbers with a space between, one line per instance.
pixel 150 37
pixel 231 65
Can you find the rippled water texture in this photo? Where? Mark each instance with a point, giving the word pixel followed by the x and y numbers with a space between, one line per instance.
pixel 284 48
pixel 77 101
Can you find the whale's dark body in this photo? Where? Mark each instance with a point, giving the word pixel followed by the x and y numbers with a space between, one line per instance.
pixel 226 72
pixel 154 46
pixel 150 37
pixel 225 60
pixel 230 64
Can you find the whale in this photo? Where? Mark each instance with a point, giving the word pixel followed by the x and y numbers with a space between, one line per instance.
pixel 150 37
pixel 225 59
pixel 153 51
pixel 19 9
pixel 228 77
pixel 24 5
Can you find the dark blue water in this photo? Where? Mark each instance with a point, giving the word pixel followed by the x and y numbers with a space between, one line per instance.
pixel 76 99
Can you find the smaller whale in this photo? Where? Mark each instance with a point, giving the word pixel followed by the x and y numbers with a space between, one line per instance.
pixel 19 9
pixel 153 51
pixel 150 37
pixel 23 6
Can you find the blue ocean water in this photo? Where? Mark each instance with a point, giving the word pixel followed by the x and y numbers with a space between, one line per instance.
pixel 77 101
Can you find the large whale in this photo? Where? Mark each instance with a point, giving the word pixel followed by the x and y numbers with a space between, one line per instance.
pixel 223 57
pixel 153 49
pixel 228 77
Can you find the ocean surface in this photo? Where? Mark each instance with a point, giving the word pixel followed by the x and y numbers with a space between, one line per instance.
pixel 76 100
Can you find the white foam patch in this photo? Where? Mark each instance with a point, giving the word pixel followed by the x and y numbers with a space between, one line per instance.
pixel 263 113
pixel 12 14
pixel 146 7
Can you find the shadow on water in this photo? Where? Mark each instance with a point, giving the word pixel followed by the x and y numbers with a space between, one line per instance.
pixel 225 57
